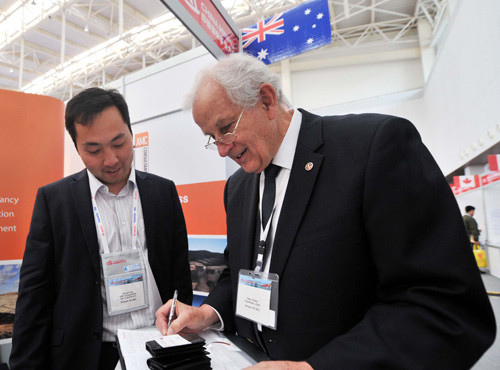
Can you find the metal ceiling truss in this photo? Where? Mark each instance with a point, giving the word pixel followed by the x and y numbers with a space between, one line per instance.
pixel 144 41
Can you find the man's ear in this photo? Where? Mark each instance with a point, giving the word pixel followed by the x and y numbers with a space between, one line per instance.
pixel 269 99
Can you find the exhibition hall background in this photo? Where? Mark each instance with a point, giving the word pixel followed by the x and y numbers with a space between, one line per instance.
pixel 454 107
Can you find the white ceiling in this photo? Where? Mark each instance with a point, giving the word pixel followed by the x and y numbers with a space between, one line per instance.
pixel 58 47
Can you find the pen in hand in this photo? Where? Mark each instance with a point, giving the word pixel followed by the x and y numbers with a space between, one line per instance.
pixel 172 309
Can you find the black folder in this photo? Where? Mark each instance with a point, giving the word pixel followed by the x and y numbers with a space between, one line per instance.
pixel 191 355
pixel 195 345
pixel 199 361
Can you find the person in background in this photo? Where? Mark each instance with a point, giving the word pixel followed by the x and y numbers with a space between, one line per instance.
pixel 471 225
pixel 106 247
pixel 327 264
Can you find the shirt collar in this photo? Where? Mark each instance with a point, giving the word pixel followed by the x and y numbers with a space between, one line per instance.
pixel 286 152
pixel 95 184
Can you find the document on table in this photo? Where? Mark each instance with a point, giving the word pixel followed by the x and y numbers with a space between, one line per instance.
pixel 132 346
pixel 224 354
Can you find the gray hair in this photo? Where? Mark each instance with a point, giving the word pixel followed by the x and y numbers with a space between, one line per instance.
pixel 241 76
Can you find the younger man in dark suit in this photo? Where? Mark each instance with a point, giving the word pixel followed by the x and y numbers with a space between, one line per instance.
pixel 344 277
pixel 106 247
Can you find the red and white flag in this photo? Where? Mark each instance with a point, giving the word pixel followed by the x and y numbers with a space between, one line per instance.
pixel 494 161
pixel 466 182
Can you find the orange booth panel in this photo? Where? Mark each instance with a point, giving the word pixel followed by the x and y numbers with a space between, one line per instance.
pixel 203 207
pixel 32 155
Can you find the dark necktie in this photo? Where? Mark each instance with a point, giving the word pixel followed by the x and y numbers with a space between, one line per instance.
pixel 271 172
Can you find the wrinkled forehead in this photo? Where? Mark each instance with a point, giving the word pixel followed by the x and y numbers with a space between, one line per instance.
pixel 208 92
pixel 211 104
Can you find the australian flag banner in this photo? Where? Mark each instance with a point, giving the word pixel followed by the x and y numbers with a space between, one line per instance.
pixel 289 33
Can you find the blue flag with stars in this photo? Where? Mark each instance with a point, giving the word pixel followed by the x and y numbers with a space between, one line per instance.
pixel 289 33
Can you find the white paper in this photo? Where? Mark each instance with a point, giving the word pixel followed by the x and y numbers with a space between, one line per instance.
pixel 224 354
pixel 171 341
pixel 133 346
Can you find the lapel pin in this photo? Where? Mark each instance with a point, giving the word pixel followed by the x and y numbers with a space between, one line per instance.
pixel 309 166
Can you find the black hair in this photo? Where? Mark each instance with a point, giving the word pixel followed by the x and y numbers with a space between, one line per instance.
pixel 469 208
pixel 87 104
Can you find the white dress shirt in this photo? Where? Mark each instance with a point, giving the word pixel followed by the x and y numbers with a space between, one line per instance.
pixel 284 159
pixel 116 214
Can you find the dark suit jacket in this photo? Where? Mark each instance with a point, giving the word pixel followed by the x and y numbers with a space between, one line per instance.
pixel 471 227
pixel 58 321
pixel 375 269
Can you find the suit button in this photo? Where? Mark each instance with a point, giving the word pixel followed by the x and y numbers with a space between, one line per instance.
pixel 97 335
pixel 250 340
pixel 96 282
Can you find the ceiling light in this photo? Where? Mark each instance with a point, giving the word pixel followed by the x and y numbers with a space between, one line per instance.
pixel 86 29
pixel 11 70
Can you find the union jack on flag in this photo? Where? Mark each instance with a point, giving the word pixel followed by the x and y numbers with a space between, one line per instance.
pixel 289 33
pixel 261 29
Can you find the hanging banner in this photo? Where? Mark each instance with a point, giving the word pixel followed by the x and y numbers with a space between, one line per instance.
pixel 489 178
pixel 289 33
pixel 493 161
pixel 209 22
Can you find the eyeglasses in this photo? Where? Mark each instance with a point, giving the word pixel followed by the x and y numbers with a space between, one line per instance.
pixel 227 138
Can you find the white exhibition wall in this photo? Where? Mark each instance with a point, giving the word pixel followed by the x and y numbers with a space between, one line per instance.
pixel 161 88
pixel 325 87
pixel 177 150
pixel 491 194
pixel 463 93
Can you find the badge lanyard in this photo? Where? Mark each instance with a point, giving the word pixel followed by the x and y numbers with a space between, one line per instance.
pixel 100 226
pixel 264 232
pixel 261 249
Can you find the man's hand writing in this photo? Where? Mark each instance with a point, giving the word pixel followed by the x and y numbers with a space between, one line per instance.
pixel 188 319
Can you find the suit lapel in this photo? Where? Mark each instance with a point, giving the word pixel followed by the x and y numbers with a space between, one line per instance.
pixel 249 221
pixel 80 191
pixel 300 187
pixel 148 209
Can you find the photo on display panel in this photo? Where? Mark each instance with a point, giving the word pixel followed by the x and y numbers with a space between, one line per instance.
pixel 206 260
pixel 9 283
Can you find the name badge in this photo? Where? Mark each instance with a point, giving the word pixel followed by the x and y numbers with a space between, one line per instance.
pixel 257 297
pixel 125 281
